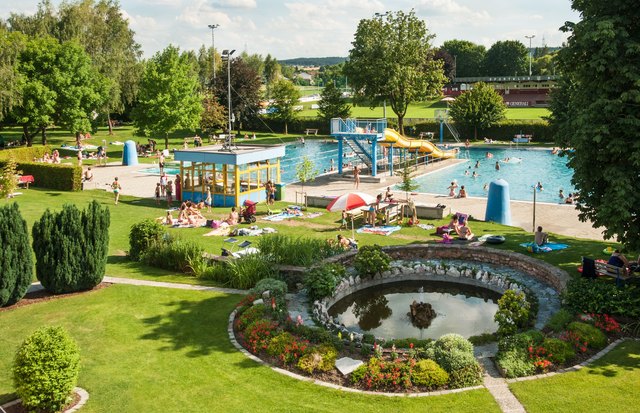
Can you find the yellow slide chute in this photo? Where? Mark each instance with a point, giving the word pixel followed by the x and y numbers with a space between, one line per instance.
pixel 399 141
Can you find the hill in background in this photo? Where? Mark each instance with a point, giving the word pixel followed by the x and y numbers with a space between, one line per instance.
pixel 313 61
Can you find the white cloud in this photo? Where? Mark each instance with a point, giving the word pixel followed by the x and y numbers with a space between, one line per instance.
pixel 453 11
pixel 236 4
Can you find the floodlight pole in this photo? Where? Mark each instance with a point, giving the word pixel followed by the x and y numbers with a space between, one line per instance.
pixel 530 53
pixel 213 52
pixel 227 54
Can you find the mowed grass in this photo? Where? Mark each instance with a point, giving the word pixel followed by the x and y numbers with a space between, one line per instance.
pixel 131 210
pixel 148 349
pixel 611 384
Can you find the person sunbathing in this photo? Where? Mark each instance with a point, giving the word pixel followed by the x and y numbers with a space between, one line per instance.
pixel 168 220
pixel 464 232
pixel 233 217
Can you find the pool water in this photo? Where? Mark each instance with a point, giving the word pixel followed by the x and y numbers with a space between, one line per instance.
pixel 525 169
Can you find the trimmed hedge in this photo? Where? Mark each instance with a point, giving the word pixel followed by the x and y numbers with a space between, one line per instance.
pixel 25 154
pixel 52 176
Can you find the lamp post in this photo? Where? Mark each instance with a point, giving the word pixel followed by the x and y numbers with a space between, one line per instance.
pixel 226 55
pixel 530 54
pixel 213 52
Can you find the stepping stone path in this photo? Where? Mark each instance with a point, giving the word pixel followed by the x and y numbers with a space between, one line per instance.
pixel 499 389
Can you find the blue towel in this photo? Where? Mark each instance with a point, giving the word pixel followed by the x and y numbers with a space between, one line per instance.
pixel 549 246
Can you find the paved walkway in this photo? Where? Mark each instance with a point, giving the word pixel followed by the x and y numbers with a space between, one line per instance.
pixel 499 389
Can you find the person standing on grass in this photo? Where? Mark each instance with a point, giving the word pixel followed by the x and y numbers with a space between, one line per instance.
pixel 208 200
pixel 116 189
pixel 169 192
pixel 158 191
pixel 356 176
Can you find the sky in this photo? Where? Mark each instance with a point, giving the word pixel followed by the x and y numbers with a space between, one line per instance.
pixel 320 28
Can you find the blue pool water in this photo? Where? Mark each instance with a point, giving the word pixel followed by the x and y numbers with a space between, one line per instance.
pixel 535 166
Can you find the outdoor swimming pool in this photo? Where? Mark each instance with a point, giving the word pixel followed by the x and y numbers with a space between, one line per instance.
pixel 534 166
pixel 320 153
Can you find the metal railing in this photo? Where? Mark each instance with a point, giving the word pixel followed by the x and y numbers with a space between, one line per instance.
pixel 360 126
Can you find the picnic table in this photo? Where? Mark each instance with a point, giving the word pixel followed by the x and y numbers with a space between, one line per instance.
pixel 26 180
pixel 308 131
pixel 390 211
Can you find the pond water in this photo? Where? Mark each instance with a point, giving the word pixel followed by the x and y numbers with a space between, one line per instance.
pixel 384 310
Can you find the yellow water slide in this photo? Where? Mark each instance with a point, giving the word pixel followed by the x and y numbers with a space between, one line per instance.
pixel 399 141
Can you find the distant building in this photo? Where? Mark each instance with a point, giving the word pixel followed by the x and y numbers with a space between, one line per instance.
pixel 516 91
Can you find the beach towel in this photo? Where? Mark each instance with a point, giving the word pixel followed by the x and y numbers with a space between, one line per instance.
pixel 283 215
pixel 549 246
pixel 224 231
pixel 385 230
pixel 313 215
pixel 426 226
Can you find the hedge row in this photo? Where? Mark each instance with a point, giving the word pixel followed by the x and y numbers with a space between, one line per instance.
pixel 25 153
pixel 504 130
pixel 52 176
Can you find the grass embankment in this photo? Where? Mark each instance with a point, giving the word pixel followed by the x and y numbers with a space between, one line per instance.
pixel 131 210
pixel 609 385
pixel 150 349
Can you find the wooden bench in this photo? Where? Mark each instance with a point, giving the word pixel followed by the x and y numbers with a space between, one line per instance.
pixel 428 135
pixel 308 131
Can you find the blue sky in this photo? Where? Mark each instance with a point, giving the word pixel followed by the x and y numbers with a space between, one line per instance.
pixel 316 28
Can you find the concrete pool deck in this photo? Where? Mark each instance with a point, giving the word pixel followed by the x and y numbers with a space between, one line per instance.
pixel 554 218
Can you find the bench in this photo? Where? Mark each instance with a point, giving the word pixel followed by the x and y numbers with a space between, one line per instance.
pixel 428 135
pixel 26 180
pixel 308 131
pixel 608 270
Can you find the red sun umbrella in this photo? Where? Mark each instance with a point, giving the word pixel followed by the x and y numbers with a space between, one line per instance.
pixel 350 201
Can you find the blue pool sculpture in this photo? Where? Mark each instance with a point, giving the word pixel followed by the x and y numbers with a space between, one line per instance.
pixel 129 154
pixel 498 203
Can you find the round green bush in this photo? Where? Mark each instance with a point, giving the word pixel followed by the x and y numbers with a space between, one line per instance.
pixel 454 342
pixel 595 338
pixel 467 376
pixel 559 320
pixel 279 343
pixel 427 373
pixel 322 358
pixel 142 235
pixel 321 281
pixel 371 260
pixel 46 369
pixel 452 360
pixel 559 351
pixel 272 285
pixel 515 363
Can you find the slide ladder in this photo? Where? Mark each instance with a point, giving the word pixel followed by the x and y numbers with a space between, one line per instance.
pixel 360 152
pixel 454 131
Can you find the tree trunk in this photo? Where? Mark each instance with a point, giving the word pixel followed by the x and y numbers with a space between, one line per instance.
pixel 475 133
pixel 44 136
pixel 166 140
pixel 78 143
pixel 401 124
pixel 28 136
pixel 110 123
pixel 286 131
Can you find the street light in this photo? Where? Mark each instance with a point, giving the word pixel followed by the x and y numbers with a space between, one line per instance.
pixel 213 52
pixel 530 53
pixel 226 56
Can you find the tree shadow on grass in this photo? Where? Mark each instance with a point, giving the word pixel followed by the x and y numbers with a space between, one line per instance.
pixel 624 357
pixel 197 327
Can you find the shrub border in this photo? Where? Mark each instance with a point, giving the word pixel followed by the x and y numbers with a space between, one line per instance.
pixel 258 360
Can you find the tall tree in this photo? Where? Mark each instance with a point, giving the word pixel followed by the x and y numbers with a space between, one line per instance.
pixel 468 57
pixel 245 91
pixel 272 72
pixel 595 111
pixel 478 108
pixel 506 58
pixel 206 56
pixel 448 63
pixel 392 60
pixel 11 46
pixel 61 87
pixel 332 105
pixel 214 115
pixel 168 97
pixel 101 29
pixel 16 256
pixel 285 97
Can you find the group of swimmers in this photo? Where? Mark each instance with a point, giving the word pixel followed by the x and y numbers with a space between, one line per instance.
pixel 462 193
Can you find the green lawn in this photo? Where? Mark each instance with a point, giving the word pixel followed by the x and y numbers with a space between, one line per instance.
pixel 150 349
pixel 131 210
pixel 611 384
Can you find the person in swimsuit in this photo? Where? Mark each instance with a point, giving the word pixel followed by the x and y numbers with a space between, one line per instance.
pixel 116 189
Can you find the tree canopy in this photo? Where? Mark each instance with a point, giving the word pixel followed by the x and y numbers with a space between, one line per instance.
pixel 168 98
pixel 392 59
pixel 506 58
pixel 595 111
pixel 468 57
pixel 285 97
pixel 332 105
pixel 478 108
pixel 245 91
